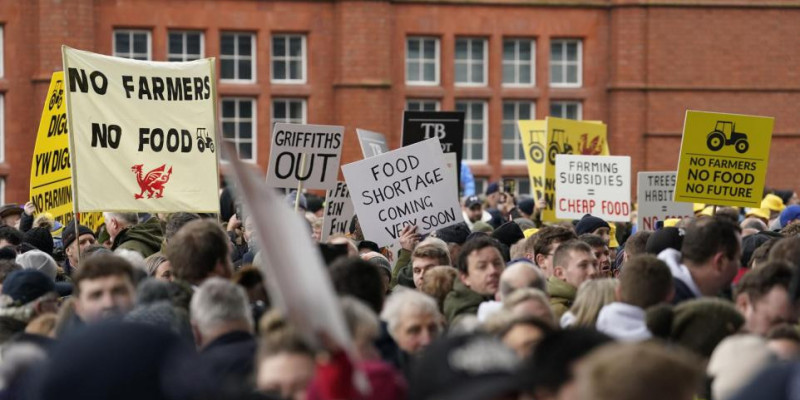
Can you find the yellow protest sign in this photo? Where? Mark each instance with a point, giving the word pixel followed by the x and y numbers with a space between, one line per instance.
pixel 723 159
pixel 534 141
pixel 566 136
pixel 51 182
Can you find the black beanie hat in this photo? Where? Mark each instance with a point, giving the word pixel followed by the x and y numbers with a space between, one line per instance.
pixel 667 238
pixel 526 205
pixel 68 234
pixel 39 238
pixel 589 224
pixel 508 234
pixel 457 233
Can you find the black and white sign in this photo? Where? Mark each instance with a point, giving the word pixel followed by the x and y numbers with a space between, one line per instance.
pixel 447 126
pixel 372 143
pixel 305 153
pixel 339 211
pixel 597 185
pixel 654 192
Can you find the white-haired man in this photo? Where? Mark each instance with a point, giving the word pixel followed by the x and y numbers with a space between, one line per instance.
pixel 413 319
pixel 223 330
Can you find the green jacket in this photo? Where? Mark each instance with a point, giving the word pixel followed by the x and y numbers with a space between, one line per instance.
pixel 462 301
pixel 562 295
pixel 144 238
pixel 401 273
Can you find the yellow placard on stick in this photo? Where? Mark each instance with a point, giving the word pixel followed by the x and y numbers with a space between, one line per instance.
pixel 566 136
pixel 534 141
pixel 723 159
pixel 51 182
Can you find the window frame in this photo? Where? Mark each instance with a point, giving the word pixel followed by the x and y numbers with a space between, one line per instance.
pixel 2 52
pixel 469 62
pixel 130 33
pixel 184 53
pixel 436 102
pixel 287 58
pixel 235 57
pixel 517 138
pixel 485 136
pixel 237 119
pixel 303 104
pixel 565 103
pixel 2 127
pixel 437 61
pixel 566 63
pixel 516 63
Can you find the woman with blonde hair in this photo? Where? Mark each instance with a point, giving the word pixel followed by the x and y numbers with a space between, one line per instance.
pixel 592 296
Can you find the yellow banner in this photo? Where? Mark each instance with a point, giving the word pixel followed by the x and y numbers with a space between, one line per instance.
pixel 534 141
pixel 566 136
pixel 51 182
pixel 724 159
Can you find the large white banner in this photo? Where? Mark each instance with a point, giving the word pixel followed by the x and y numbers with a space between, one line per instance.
pixel 597 185
pixel 142 134
pixel 654 192
pixel 307 154
pixel 408 186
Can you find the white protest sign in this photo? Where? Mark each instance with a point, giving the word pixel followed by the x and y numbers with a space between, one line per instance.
pixel 339 211
pixel 408 186
pixel 597 185
pixel 654 191
pixel 307 154
pixel 142 134
pixel 372 143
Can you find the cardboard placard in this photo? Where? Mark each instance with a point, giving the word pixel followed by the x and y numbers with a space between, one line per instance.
pixel 307 154
pixel 597 185
pixel 447 126
pixel 372 143
pixel 339 212
pixel 723 159
pixel 142 133
pixel 534 141
pixel 655 191
pixel 408 186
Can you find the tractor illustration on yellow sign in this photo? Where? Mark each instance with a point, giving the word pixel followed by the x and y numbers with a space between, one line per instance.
pixel 724 134
pixel 536 150
pixel 555 148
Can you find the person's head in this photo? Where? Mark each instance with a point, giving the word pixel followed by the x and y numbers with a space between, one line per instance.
pixel 644 282
pixel 199 251
pixel 473 208
pixel 787 250
pixel 383 265
pixel 363 325
pixel 546 243
pixel 438 282
pixel 103 287
pixel 636 244
pixel 74 245
pixel 530 302
pixel 40 261
pixel 352 250
pixel 521 275
pixel 784 341
pixel 360 279
pixel 40 238
pixel 175 222
pixel 523 333
pixel 635 371
pixel 735 362
pixel 753 223
pixel 413 319
pixel 592 296
pixel 574 263
pixel 549 373
pixel 791 230
pixel 117 221
pixel 33 289
pixel 712 249
pixel 10 236
pixel 284 364
pixel 594 225
pixel 762 296
pixel 600 251
pixel 6 268
pixel 252 281
pixel 10 215
pixel 480 265
pixel 425 257
pixel 219 307
pixel 158 267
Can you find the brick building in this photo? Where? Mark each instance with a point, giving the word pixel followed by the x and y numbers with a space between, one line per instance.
pixel 636 64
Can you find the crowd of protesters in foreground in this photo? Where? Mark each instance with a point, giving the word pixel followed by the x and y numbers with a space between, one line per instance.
pixel 500 306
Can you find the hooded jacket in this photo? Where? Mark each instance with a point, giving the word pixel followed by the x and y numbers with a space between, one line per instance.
pixel 685 287
pixel 562 295
pixel 624 322
pixel 462 300
pixel 144 238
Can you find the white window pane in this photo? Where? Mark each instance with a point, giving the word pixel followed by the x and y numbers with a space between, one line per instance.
pixel 227 44
pixel 477 73
pixel 555 51
pixel 412 71
pixel 413 49
pixel 477 49
pixel 461 73
pixel 295 70
pixel 279 69
pixel 123 43
pixel 296 47
pixel 461 49
pixel 572 51
pixel 245 69
pixel 429 72
pixel 244 48
pixel 278 46
pixel 509 50
pixel 525 73
pixel 175 43
pixel 508 73
pixel 193 43
pixel 572 73
pixel 525 50
pixel 140 43
pixel 556 74
pixel 430 49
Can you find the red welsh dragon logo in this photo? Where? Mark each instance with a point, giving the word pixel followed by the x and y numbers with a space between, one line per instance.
pixel 153 182
pixel 593 148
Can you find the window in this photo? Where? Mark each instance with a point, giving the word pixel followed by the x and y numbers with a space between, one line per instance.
pixel 518 62
pixel 514 111
pixel 422 61
pixel 238 125
pixel 422 105
pixel 522 186
pixel 2 129
pixel 480 185
pixel 474 129
pixel 237 57
pixel 289 58
pixel 565 63
pixel 566 109
pixel 133 44
pixel 185 46
pixel 2 59
pixel 291 111
pixel 471 61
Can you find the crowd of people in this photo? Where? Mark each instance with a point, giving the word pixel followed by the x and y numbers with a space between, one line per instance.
pixel 500 306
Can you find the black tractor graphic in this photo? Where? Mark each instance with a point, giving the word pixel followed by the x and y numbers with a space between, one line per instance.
pixel 724 134
pixel 556 146
pixel 536 151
